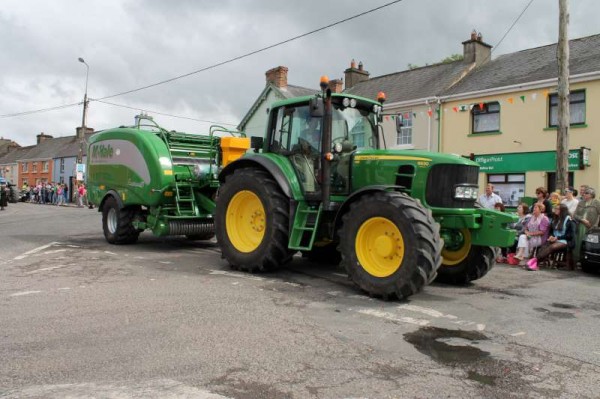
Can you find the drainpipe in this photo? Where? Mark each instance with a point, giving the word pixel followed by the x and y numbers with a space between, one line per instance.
pixel 440 117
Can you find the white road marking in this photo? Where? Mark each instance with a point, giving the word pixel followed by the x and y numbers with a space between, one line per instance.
pixel 45 269
pixel 25 254
pixel 427 311
pixel 334 293
pixel 64 288
pixel 393 317
pixel 110 253
pixel 480 327
pixel 73 246
pixel 165 262
pixel 237 275
pixel 517 334
pixel 25 293
pixel 53 251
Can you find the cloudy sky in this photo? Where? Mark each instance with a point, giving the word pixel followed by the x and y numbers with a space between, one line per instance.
pixel 134 43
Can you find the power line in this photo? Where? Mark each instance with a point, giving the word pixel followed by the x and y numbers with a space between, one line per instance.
pixel 512 26
pixel 254 52
pixel 161 113
pixel 35 111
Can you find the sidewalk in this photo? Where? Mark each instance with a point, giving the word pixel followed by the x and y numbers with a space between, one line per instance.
pixel 69 204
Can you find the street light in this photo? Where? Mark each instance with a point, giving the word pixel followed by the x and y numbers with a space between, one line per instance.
pixel 85 104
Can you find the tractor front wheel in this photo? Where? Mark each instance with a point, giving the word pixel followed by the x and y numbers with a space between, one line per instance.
pixel 463 262
pixel 390 245
pixel 252 221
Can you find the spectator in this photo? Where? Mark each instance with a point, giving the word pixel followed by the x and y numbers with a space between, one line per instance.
pixel 570 201
pixel 80 195
pixel 586 216
pixel 66 192
pixel 542 194
pixel 60 195
pixel 500 252
pixel 582 189
pixel 489 199
pixel 535 232
pixel 3 195
pixel 555 199
pixel 562 236
pixel 519 226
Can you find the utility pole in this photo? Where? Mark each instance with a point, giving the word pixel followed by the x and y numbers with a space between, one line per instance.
pixel 83 119
pixel 564 116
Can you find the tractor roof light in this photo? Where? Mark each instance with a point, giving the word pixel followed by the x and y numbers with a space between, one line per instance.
pixel 381 97
pixel 329 156
pixel 324 82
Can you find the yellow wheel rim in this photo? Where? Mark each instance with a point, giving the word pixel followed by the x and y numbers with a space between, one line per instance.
pixel 453 257
pixel 379 247
pixel 245 221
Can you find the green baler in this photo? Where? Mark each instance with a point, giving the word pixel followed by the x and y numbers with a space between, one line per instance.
pixel 144 177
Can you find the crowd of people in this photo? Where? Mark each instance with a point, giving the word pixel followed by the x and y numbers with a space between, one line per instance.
pixel 50 193
pixel 554 223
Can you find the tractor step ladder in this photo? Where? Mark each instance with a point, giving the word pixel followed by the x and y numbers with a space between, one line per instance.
pixel 185 200
pixel 305 226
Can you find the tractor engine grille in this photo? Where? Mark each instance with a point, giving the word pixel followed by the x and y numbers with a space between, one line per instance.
pixel 441 182
pixel 191 227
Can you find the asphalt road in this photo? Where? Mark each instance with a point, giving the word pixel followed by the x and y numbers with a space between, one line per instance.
pixel 167 318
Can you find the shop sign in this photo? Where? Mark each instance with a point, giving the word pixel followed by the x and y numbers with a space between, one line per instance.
pixel 524 162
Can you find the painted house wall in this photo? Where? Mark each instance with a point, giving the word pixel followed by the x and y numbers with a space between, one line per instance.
pixel 524 129
pixel 257 123
pixel 67 172
pixel 10 172
pixel 424 127
pixel 31 176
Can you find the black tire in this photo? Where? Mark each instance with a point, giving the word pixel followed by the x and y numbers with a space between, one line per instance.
pixel 588 267
pixel 272 249
pixel 117 223
pixel 200 237
pixel 328 254
pixel 421 253
pixel 477 264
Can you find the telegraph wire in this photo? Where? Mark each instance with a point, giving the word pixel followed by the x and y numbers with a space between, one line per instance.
pixel 510 28
pixel 35 111
pixel 161 113
pixel 254 52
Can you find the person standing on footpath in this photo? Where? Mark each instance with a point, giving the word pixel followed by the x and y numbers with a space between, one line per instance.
pixel 490 198
pixel 3 195
pixel 570 201
pixel 586 216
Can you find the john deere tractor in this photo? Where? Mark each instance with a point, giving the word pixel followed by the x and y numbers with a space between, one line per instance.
pixel 322 182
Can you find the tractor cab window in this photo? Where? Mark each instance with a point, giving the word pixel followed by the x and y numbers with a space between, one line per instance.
pixel 353 127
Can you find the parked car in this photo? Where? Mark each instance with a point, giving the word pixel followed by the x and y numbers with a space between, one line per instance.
pixel 590 251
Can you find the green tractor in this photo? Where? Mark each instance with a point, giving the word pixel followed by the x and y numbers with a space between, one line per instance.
pixel 322 182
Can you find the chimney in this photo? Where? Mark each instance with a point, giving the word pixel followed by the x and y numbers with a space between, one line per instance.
pixel 352 76
pixel 475 50
pixel 336 85
pixel 277 76
pixel 79 132
pixel 41 137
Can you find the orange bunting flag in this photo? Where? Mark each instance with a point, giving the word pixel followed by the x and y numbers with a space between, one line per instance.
pixel 407 116
pixel 455 109
pixel 429 112
pixel 546 92
pixel 481 106
pixel 511 100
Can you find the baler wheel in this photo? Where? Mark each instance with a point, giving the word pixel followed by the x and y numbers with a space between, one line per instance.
pixel 117 223
pixel 390 245
pixel 252 221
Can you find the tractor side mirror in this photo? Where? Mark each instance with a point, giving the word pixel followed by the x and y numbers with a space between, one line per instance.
pixel 256 143
pixel 317 108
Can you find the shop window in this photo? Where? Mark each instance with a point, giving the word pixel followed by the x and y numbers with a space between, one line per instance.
pixel 404 128
pixel 486 117
pixel 510 187
pixel 576 108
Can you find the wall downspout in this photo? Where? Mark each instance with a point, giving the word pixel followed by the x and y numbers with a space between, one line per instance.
pixel 440 117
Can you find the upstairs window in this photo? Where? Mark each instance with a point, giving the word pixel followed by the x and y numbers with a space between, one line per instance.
pixel 62 165
pixel 576 108
pixel 486 119
pixel 404 124
pixel 34 167
pixel 25 167
pixel 45 166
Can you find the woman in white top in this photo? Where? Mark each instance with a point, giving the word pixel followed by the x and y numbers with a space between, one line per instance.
pixel 570 201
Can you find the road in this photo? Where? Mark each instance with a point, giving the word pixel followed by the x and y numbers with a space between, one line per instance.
pixel 167 318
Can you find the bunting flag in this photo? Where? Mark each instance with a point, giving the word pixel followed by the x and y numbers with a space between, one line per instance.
pixel 534 96
pixel 471 106
pixel 455 109
pixel 387 118
pixel 523 98
pixel 429 112
pixel 393 117
pixel 481 105
pixel 415 115
pixel 511 100
pixel 546 92
pixel 463 108
pixel 407 116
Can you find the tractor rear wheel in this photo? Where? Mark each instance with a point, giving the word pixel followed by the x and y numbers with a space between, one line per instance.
pixel 463 262
pixel 117 223
pixel 390 245
pixel 252 221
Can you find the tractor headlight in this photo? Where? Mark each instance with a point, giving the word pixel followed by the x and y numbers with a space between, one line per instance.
pixel 466 192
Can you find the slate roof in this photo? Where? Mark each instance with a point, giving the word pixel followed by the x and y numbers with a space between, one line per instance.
pixel 59 147
pixel 412 84
pixel 531 65
pixel 16 154
pixel 296 91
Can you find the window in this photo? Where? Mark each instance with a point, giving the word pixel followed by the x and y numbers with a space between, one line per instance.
pixel 62 165
pixel 404 128
pixel 576 108
pixel 34 167
pixel 45 166
pixel 25 167
pixel 510 187
pixel 551 181
pixel 486 117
